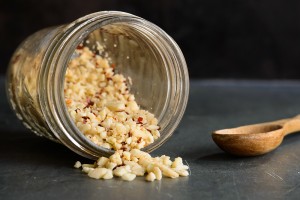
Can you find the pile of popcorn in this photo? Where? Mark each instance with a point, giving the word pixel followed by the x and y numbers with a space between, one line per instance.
pixel 103 109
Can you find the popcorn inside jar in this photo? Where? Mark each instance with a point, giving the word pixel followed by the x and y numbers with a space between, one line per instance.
pixel 100 102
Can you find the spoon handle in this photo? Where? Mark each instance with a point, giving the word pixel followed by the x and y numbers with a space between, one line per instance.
pixel 291 125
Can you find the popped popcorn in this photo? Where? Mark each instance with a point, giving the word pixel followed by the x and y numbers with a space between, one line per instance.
pixel 103 109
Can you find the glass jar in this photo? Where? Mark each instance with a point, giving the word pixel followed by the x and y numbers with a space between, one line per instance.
pixel 140 50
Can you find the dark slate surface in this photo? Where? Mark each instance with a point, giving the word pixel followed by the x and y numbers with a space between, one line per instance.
pixel 35 168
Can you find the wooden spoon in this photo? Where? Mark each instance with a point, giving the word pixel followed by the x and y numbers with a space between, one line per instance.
pixel 256 139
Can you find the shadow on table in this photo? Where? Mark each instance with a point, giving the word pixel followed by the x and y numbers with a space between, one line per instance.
pixel 23 147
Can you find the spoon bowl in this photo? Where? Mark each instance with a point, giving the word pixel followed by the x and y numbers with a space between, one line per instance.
pixel 257 139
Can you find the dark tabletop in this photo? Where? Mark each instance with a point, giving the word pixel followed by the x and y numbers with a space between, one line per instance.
pixel 35 168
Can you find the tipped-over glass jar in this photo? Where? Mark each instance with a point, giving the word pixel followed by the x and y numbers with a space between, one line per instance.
pixel 140 50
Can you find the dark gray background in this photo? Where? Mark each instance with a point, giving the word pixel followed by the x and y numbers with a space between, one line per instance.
pixel 220 39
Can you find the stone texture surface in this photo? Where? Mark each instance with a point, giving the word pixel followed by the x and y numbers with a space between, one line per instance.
pixel 35 168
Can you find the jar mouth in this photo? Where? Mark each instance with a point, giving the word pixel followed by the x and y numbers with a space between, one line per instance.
pixel 157 69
